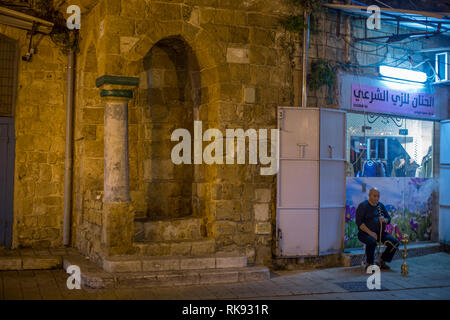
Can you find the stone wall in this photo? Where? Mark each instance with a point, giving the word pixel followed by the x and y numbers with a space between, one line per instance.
pixel 243 74
pixel 88 155
pixel 245 70
pixel 39 121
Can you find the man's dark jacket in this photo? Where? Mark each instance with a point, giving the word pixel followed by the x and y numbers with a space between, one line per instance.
pixel 368 214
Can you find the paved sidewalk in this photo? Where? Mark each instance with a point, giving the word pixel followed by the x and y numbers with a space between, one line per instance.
pixel 429 278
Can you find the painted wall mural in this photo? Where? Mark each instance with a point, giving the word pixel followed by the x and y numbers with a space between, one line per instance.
pixel 408 201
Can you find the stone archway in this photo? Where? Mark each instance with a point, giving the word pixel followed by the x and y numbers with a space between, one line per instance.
pixel 170 100
pixel 190 230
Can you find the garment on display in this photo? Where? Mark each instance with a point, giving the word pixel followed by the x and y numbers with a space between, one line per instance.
pixel 374 169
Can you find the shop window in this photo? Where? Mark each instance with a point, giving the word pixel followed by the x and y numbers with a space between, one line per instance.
pixel 383 146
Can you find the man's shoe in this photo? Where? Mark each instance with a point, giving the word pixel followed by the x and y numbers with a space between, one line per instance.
pixel 383 265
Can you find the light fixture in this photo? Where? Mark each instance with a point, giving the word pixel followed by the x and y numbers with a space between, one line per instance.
pixel 403 74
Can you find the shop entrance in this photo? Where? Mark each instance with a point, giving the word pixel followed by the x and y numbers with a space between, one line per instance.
pixel 6 180
pixel 394 155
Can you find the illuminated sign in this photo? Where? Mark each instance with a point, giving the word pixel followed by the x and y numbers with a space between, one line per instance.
pixel 384 100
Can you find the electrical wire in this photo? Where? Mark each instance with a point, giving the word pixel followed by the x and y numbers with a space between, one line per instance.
pixel 360 3
pixel 384 4
pixel 351 45
pixel 411 19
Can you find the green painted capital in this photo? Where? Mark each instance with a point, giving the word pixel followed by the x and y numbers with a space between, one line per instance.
pixel 118 80
pixel 117 93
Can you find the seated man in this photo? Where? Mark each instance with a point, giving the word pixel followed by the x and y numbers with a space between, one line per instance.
pixel 369 216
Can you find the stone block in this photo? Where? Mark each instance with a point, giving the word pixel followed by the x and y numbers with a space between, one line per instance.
pixel 228 209
pixel 131 8
pixel 203 248
pixel 117 227
pixel 219 277
pixel 180 248
pixel 250 95
pixel 40 263
pixel 263 228
pixel 231 262
pixel 242 239
pixel 126 43
pixel 118 25
pixel 122 265
pixel 257 56
pixel 206 15
pixel 160 264
pixel 224 17
pixel 264 21
pixel 166 11
pixel 112 7
pixel 254 274
pixel 94 149
pixel 261 211
pixel 93 115
pixel 263 195
pixel 239 34
pixel 231 92
pixel 180 229
pixel 194 17
pixel 238 55
pixel 262 37
pixel 10 263
pixel 185 279
pixel 240 18
pixel 197 263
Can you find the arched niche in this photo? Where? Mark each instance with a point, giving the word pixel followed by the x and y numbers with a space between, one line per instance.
pixel 170 101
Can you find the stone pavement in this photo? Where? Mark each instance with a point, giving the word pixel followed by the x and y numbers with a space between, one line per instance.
pixel 428 278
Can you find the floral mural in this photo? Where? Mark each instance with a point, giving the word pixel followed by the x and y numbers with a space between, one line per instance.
pixel 408 201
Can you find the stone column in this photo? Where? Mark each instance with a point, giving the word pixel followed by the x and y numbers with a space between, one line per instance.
pixel 118 214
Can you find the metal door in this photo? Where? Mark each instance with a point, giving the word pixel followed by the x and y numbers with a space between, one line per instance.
pixel 332 181
pixel 298 182
pixel 444 194
pixel 6 180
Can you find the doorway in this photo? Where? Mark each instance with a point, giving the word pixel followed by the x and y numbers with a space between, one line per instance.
pixel 395 155
pixel 6 180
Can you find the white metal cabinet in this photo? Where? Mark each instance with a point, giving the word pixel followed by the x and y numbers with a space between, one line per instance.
pixel 311 181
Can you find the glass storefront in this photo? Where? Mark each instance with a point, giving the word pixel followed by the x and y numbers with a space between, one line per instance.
pixel 395 155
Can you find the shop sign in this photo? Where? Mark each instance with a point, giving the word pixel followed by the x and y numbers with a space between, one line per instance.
pixel 383 100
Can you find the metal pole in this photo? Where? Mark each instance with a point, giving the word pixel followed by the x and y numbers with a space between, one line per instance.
pixel 68 154
pixel 305 58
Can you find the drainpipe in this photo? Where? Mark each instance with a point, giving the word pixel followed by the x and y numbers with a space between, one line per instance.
pixel 306 16
pixel 347 39
pixel 68 158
